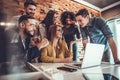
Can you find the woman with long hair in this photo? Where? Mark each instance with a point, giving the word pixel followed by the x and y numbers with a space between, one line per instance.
pixel 70 31
pixel 57 50
pixel 48 20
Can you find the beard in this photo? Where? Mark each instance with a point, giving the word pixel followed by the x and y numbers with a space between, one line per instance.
pixel 30 14
pixel 26 32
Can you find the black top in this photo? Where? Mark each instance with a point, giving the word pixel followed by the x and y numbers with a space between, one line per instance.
pixel 70 34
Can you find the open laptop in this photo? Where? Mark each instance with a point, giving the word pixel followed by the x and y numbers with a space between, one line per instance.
pixel 92 57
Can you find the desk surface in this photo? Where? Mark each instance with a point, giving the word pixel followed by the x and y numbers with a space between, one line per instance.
pixel 96 72
pixel 93 73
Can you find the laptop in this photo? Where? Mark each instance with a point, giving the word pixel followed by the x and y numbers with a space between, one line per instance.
pixel 92 57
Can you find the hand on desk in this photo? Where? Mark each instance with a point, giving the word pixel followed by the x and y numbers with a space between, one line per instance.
pixel 67 60
pixel 63 60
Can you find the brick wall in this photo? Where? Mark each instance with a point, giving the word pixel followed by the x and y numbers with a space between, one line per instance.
pixel 14 7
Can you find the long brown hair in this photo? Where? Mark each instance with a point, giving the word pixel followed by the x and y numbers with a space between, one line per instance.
pixel 52 32
pixel 49 19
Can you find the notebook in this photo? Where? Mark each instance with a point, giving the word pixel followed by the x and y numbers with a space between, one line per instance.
pixel 92 57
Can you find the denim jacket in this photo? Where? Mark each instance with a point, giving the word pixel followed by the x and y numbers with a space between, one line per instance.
pixel 98 31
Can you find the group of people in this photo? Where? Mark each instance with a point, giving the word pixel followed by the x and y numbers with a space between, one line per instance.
pixel 47 42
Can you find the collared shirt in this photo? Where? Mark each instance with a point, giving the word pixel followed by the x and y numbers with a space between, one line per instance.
pixel 98 31
pixel 23 42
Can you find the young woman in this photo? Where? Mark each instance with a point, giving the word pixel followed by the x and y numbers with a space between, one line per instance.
pixel 70 31
pixel 49 20
pixel 57 50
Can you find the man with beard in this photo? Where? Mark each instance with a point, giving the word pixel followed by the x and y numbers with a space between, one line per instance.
pixel 27 28
pixel 30 8
pixel 18 45
pixel 17 49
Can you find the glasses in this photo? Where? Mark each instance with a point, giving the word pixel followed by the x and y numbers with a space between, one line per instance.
pixel 60 30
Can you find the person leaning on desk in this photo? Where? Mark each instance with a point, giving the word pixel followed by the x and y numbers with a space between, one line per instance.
pixel 57 50
pixel 98 31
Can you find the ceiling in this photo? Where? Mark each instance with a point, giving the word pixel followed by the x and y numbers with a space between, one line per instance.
pixel 100 5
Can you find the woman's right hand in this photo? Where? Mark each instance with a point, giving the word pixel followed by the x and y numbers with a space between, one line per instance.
pixel 64 60
pixel 67 60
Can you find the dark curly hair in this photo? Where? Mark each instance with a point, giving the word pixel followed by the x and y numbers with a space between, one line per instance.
pixel 65 15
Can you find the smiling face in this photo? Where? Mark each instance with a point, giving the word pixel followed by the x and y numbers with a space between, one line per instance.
pixel 82 21
pixel 30 27
pixel 30 10
pixel 69 21
pixel 59 32
pixel 55 32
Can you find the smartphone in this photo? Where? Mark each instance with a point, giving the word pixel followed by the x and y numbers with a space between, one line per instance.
pixel 67 69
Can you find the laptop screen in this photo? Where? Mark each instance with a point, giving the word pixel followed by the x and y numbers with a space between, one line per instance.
pixel 93 55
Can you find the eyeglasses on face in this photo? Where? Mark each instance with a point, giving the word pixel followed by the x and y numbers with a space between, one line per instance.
pixel 60 30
